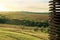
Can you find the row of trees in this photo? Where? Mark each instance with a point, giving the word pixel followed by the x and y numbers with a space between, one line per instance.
pixel 5 20
pixel 24 22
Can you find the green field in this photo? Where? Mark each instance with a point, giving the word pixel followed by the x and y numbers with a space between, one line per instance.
pixel 7 32
pixel 21 32
pixel 8 35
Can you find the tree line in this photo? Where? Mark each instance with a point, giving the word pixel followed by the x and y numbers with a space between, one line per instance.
pixel 5 20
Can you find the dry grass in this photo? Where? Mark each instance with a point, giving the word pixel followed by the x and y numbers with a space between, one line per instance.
pixel 21 16
pixel 14 28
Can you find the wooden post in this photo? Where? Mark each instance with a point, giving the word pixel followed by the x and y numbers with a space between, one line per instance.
pixel 54 20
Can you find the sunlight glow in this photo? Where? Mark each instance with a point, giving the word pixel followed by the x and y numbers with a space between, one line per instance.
pixel 24 5
pixel 3 8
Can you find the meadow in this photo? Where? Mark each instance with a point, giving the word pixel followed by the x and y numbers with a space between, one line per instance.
pixel 23 26
pixel 26 16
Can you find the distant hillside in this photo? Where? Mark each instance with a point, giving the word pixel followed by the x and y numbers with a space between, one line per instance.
pixel 25 16
pixel 34 12
pixel 25 12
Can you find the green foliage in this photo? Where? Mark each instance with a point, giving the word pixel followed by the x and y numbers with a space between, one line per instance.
pixel 45 23
pixel 45 30
pixel 24 22
pixel 3 19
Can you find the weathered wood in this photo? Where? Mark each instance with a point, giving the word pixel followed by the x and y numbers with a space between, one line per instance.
pixel 54 20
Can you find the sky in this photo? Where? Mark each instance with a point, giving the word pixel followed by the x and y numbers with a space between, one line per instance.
pixel 24 5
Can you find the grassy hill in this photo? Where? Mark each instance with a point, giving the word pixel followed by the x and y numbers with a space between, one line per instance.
pixel 8 35
pixel 21 32
pixel 14 32
pixel 26 15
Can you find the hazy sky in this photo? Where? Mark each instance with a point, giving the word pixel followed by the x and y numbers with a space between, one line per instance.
pixel 24 5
